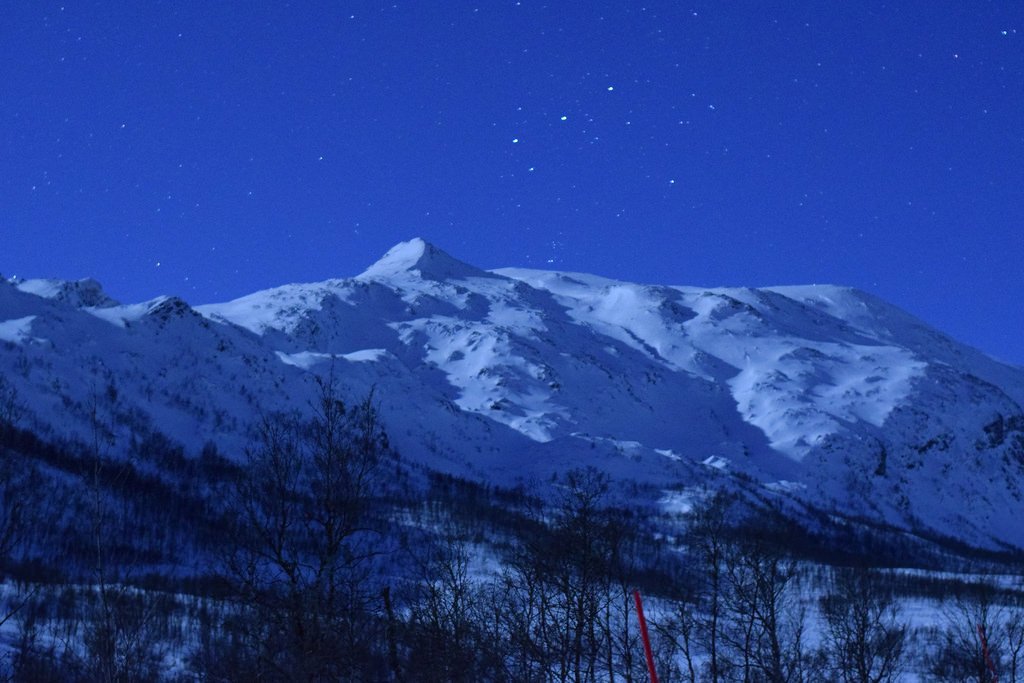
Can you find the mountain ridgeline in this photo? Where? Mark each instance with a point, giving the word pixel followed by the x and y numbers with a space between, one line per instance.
pixel 824 402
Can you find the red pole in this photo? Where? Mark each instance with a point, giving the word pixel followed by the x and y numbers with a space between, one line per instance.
pixel 988 655
pixel 643 634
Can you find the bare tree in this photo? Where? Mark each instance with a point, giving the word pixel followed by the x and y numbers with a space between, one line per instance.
pixel 763 602
pixel 448 637
pixel 676 642
pixel 15 510
pixel 974 639
pixel 865 638
pixel 562 607
pixel 20 489
pixel 709 544
pixel 13 502
pixel 1013 648
pixel 11 408
pixel 303 545
pixel 583 549
pixel 119 632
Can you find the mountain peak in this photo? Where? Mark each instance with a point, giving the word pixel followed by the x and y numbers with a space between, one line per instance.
pixel 78 293
pixel 421 257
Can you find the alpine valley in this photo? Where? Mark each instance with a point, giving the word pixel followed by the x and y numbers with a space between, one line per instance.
pixel 432 472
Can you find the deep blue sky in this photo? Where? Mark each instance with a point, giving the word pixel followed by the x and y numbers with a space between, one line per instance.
pixel 209 149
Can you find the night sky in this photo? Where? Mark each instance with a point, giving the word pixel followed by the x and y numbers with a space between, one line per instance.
pixel 210 149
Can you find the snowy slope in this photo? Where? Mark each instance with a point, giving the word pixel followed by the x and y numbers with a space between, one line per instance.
pixel 823 394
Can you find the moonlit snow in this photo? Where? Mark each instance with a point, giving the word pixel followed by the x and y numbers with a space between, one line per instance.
pixel 822 394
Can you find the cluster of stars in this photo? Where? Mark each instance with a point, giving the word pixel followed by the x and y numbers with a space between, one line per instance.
pixel 616 124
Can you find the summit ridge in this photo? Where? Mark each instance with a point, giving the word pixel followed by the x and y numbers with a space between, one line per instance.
pixel 822 395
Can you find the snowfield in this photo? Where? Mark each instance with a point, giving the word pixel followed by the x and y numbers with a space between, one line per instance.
pixel 822 394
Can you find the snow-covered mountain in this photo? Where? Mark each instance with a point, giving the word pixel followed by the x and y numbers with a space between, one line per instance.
pixel 820 394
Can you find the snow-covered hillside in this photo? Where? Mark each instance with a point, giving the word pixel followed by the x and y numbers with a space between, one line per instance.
pixel 824 394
